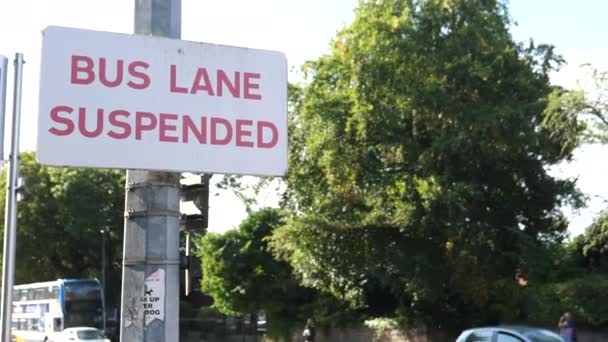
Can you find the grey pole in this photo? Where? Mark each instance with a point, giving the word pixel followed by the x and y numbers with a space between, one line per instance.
pixel 10 215
pixel 151 234
pixel 104 288
pixel 187 282
pixel 3 72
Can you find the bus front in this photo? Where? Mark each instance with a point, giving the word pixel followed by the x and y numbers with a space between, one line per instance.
pixel 82 303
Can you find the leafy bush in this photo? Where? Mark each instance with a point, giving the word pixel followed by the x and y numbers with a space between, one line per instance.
pixel 585 296
pixel 381 325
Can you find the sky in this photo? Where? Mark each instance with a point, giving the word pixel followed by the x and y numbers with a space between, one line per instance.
pixel 302 29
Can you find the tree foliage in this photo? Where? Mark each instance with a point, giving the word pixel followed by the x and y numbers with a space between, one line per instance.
pixel 581 115
pixel 577 282
pixel 596 111
pixel 585 295
pixel 243 277
pixel 591 248
pixel 417 164
pixel 60 219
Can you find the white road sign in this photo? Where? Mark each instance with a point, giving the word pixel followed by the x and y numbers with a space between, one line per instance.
pixel 140 102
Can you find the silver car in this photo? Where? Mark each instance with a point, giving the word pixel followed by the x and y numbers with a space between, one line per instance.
pixel 509 334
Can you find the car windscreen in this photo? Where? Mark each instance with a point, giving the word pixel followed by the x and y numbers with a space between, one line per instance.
pixel 82 291
pixel 89 334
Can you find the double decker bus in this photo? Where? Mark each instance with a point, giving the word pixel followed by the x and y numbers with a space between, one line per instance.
pixel 42 310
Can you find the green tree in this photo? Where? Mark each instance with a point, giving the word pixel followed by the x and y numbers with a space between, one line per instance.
pixel 59 223
pixel 575 279
pixel 417 164
pixel 581 115
pixel 592 247
pixel 243 277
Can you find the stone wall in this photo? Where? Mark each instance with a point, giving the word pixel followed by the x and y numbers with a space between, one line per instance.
pixel 418 335
pixel 592 336
pixel 364 334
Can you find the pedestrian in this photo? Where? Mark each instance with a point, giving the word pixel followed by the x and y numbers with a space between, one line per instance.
pixel 309 331
pixel 567 330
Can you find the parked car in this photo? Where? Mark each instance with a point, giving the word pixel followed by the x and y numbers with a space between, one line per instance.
pixel 81 334
pixel 509 334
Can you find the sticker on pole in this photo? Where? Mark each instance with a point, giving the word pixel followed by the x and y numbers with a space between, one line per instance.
pixel 153 300
pixel 141 102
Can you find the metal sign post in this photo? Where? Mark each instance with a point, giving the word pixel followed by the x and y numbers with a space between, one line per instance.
pixel 3 72
pixel 10 216
pixel 150 282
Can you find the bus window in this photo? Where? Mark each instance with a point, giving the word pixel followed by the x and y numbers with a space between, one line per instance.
pixel 39 294
pixel 22 324
pixel 31 324
pixel 57 324
pixel 48 292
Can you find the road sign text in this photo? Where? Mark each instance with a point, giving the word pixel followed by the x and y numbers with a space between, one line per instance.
pixel 128 101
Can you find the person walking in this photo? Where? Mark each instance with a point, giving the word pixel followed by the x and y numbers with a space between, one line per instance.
pixel 567 330
pixel 309 331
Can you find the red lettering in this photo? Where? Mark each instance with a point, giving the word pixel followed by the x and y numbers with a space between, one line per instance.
pixel 249 85
pixel 164 127
pixel 139 123
pixel 103 77
pixel 240 133
pixel 142 76
pixel 77 69
pixel 275 134
pixel 126 128
pixel 174 87
pixel 120 126
pixel 214 139
pixel 69 125
pixel 201 75
pixel 189 125
pixel 82 123
pixel 233 88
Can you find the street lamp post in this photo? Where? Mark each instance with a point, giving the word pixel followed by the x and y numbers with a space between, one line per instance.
pixel 104 231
